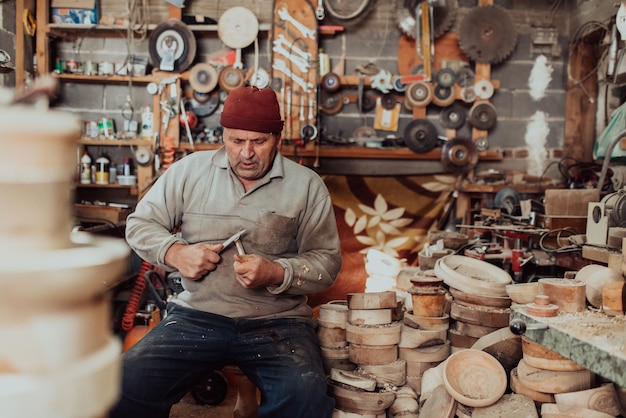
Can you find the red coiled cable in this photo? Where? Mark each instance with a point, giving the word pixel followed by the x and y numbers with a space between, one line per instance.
pixel 132 307
pixel 169 153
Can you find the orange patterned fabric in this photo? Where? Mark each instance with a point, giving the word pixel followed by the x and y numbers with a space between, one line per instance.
pixel 392 214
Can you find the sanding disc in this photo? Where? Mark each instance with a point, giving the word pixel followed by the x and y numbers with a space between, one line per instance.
pixel 203 77
pixel 238 27
pixel 231 78
pixel 172 35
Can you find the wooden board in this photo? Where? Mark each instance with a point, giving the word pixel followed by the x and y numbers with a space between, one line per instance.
pixel 298 99
pixel 446 49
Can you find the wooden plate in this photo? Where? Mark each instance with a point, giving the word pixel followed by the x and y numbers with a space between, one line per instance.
pixel 472 276
pixel 474 378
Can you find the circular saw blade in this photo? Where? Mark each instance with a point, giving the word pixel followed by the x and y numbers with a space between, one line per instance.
pixel 487 34
pixel 444 13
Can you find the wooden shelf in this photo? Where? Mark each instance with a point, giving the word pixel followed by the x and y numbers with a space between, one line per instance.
pixel 115 142
pixel 61 28
pixel 352 152
pixel 131 189
pixel 106 78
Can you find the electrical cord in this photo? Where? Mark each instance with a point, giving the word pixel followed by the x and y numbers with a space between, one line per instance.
pixel 132 307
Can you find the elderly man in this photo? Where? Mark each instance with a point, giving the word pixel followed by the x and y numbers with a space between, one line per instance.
pixel 243 305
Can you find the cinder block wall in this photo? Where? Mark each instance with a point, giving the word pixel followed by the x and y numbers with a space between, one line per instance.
pixel 7 38
pixel 375 40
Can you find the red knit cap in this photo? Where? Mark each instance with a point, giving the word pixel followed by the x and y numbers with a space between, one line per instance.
pixel 252 109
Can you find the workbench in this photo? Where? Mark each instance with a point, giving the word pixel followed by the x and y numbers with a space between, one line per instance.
pixel 590 338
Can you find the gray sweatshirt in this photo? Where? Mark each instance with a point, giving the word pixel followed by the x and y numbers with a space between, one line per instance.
pixel 288 216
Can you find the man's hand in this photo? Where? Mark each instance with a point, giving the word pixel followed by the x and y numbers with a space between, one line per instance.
pixel 193 261
pixel 255 271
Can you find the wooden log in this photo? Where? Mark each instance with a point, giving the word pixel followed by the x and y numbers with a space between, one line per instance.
pixel 569 295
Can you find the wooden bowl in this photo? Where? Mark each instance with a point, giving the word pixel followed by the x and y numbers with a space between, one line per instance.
pixel 474 378
pixel 472 276
pixel 522 293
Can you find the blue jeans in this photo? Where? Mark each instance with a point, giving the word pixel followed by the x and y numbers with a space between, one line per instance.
pixel 280 356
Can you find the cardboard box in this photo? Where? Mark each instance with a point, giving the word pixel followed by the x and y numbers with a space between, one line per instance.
pixel 97 213
pixel 74 12
pixel 569 202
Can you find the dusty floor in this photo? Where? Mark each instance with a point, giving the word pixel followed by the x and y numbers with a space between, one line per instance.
pixel 189 408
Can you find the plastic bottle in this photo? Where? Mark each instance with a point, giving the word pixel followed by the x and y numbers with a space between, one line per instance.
pixel 127 167
pixel 102 170
pixel 147 123
pixel 112 173
pixel 85 168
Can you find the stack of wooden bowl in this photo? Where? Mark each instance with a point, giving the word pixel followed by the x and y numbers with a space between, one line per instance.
pixel 480 303
pixel 424 338
pixel 373 331
pixel 542 373
pixel 372 335
pixel 331 332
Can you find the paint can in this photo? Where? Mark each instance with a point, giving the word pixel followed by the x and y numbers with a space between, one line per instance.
pixel 105 68
pixel 105 128
pixel 90 68
pixel 71 66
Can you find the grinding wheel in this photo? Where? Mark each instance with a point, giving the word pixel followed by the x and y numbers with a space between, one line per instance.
pixel 446 77
pixel 368 101
pixel 444 96
pixel 453 117
pixel 206 107
pixel 459 155
pixel 421 136
pixel 231 78
pixel 331 82
pixel 203 77
pixel 388 101
pixel 483 116
pixel 420 93
pixel 330 103
pixel 172 39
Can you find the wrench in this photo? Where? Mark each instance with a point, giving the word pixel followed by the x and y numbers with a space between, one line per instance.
pixel 319 12
pixel 280 65
pixel 291 46
pixel 302 64
pixel 305 31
